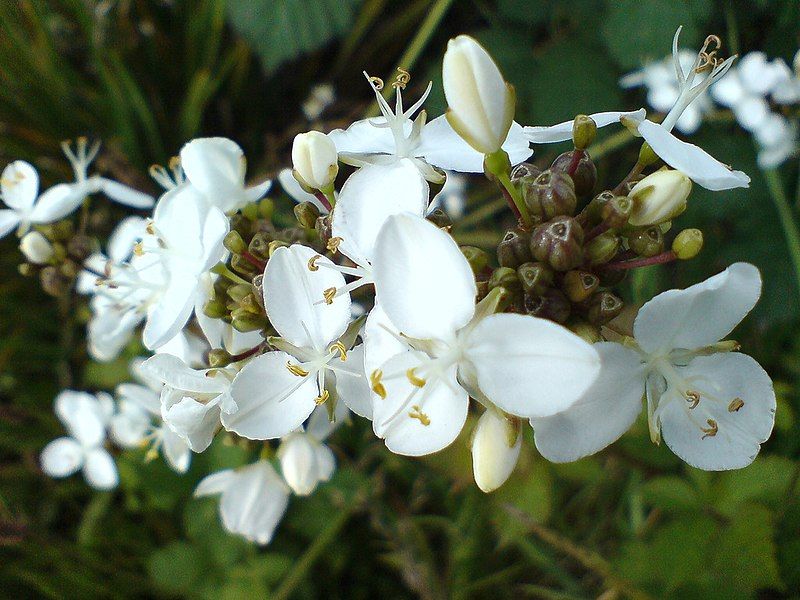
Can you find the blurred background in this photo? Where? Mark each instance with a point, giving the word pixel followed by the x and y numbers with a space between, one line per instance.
pixel 144 76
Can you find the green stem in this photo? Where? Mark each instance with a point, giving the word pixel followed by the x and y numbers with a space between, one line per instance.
pixel 513 192
pixel 301 567
pixel 417 45
pixel 788 222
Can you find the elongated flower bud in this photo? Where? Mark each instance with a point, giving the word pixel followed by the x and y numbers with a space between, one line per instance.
pixel 36 248
pixel 496 444
pixel 314 160
pixel 300 465
pixel 481 103
pixel 659 197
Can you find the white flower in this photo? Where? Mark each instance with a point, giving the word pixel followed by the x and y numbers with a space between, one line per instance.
pixel 305 460
pixel 787 90
pixel 295 191
pixel 85 417
pixel 496 444
pixel 659 197
pixel 662 90
pixel 777 141
pixel 36 248
pixel 215 167
pixel 192 399
pixel 452 198
pixel 395 136
pixel 713 408
pixel 452 349
pixel 138 406
pixel 254 498
pixel 315 160
pixel 480 102
pixel 275 392
pixel 562 132
pixel 745 88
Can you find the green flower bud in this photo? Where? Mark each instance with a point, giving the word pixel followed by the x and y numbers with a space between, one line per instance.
pixel 536 277
pixel 69 269
pixel 26 269
pixel 584 130
pixel 603 307
pixel 616 212
pixel 523 170
pixel 218 357
pixel 251 304
pixel 244 322
pixel 551 305
pixel 659 197
pixel 646 155
pixel 250 212
pixel 548 195
pixel 61 231
pixel 647 242
pixel 602 249
pixel 594 210
pixel 234 242
pixel 687 244
pixel 514 249
pixel 239 291
pixel 505 277
pixel 579 285
pixel 241 224
pixel 324 230
pixel 585 175
pixel 243 267
pixel 588 331
pixel 306 214
pixel 259 245
pixel 558 243
pixel 215 309
pixel 478 259
pixel 266 208
pixel 496 162
pixel 439 218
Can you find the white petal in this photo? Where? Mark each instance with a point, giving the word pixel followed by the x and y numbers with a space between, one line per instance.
pixel 493 458
pixel 422 279
pixel 119 192
pixel 214 166
pixel 100 470
pixel 9 220
pixel 563 131
pixel 728 91
pixel 298 458
pixel 254 504
pixel 20 185
pixel 176 450
pixel 196 422
pixel 62 457
pixel 175 373
pixel 58 202
pixel 298 194
pixel 129 231
pixel 370 196
pixel 168 316
pixel 326 463
pixel 719 379
pixel 216 483
pixel 353 384
pixel 258 191
pixel 701 314
pixel 751 112
pixel 110 331
pixel 440 405
pixel 130 426
pixel 380 340
pixel 530 367
pixel 294 298
pixel 83 416
pixel 694 162
pixel 604 412
pixel 362 137
pixel 442 147
pixel 272 401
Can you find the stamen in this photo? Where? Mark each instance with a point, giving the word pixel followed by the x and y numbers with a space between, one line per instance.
pixel 401 81
pixel 333 244
pixel 322 398
pixel 339 347
pixel 412 377
pixel 711 430
pixel 375 82
pixel 376 385
pixel 693 398
pixel 296 370
pixel 312 266
pixel 735 405
pixel 416 413
pixel 138 249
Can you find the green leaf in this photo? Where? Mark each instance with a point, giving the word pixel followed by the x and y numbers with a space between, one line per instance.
pixel 767 480
pixel 176 567
pixel 282 30
pixel 670 493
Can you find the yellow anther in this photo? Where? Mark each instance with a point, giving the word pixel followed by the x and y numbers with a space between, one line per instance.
pixel 296 369
pixel 693 398
pixel 735 405
pixel 150 228
pixel 322 398
pixel 312 262
pixel 174 162
pixel 709 60
pixel 711 430
pixel 412 377
pixel 138 249
pixel 375 383
pixel 329 295
pixel 150 455
pixel 401 81
pixel 333 244
pixel 155 170
pixel 339 347
pixel 376 83
pixel 416 413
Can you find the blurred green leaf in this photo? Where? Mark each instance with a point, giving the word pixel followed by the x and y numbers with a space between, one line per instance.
pixel 176 567
pixel 670 493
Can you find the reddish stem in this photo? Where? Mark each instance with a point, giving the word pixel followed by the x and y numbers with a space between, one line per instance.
pixel 323 199
pixel 595 231
pixel 511 204
pixel 259 264
pixel 245 354
pixel 658 259
pixel 577 155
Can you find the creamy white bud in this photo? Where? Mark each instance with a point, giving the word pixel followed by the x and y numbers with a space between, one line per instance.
pixel 36 248
pixel 496 443
pixel 305 462
pixel 481 103
pixel 659 197
pixel 315 160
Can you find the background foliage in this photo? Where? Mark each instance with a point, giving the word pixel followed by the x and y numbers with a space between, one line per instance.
pixel 146 75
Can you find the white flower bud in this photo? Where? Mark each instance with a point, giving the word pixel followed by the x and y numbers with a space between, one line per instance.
pixel 304 463
pixel 315 160
pixel 481 103
pixel 36 248
pixel 496 443
pixel 659 197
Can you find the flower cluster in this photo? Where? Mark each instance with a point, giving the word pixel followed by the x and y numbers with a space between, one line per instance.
pixel 275 334
pixel 758 92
